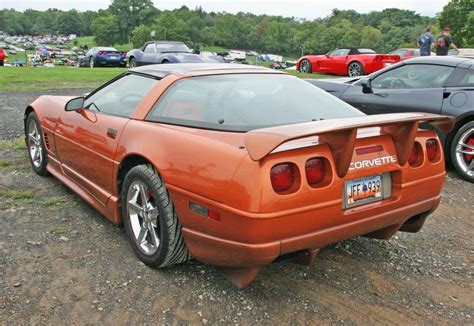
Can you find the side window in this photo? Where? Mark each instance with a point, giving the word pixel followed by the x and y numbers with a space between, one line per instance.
pixel 467 79
pixel 150 48
pixel 412 77
pixel 339 52
pixel 122 96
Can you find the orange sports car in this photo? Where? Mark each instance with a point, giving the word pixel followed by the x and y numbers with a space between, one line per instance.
pixel 236 166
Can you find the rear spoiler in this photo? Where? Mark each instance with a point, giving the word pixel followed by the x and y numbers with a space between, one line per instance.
pixel 340 134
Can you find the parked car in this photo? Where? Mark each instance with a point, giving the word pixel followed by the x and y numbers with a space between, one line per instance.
pixel 2 57
pixel 443 85
pixel 406 53
pixel 349 61
pixel 466 53
pixel 156 52
pixel 220 163
pixel 102 56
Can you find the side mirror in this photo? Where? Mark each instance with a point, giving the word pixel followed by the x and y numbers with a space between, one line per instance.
pixel 75 104
pixel 366 86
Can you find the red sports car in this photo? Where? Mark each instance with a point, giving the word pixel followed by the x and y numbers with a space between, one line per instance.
pixel 350 61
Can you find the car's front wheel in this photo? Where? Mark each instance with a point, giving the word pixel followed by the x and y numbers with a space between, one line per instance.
pixel 150 219
pixel 36 149
pixel 305 66
pixel 462 151
pixel 355 69
pixel 132 63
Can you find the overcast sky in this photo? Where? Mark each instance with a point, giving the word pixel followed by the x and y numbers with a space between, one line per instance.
pixel 297 8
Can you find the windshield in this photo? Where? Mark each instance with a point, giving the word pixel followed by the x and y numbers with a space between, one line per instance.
pixel 242 102
pixel 172 47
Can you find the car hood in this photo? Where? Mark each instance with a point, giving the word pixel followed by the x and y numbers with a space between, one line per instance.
pixel 191 57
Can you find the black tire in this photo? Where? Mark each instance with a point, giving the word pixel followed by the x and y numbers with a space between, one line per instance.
pixel 165 62
pixel 355 69
pixel 132 63
pixel 171 249
pixel 38 166
pixel 305 67
pixel 459 160
pixel 1 63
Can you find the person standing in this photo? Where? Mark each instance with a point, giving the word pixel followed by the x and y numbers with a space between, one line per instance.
pixel 426 42
pixel 444 42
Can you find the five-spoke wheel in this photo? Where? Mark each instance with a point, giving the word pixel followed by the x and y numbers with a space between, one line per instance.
pixel 462 151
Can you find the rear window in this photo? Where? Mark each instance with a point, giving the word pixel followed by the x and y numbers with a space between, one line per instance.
pixel 242 102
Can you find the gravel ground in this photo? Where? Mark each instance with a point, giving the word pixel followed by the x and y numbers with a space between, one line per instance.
pixel 61 261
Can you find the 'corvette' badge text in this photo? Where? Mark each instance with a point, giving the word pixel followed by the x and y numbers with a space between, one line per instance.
pixel 375 162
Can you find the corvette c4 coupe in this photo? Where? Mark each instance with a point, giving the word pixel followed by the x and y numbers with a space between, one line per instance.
pixel 217 162
pixel 350 61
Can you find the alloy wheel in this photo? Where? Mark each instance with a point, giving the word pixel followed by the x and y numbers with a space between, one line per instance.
pixel 355 69
pixel 143 215
pixel 34 144
pixel 304 66
pixel 465 152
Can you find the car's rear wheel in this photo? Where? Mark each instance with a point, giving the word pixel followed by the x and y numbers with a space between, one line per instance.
pixel 165 62
pixel 150 219
pixel 36 149
pixel 305 66
pixel 132 63
pixel 91 62
pixel 462 151
pixel 355 69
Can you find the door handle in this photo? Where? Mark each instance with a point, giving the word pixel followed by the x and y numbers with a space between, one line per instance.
pixel 112 133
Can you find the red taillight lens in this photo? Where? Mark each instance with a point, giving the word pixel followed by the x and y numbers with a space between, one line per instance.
pixel 282 176
pixel 102 52
pixel 315 170
pixel 431 149
pixel 415 153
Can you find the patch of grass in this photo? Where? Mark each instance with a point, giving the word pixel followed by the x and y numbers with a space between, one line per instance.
pixel 5 164
pixel 53 203
pixel 27 78
pixel 15 198
pixel 17 144
pixel 59 230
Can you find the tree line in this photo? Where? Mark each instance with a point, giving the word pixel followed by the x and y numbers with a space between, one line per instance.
pixel 137 21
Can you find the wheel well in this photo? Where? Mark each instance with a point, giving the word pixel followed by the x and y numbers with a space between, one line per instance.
pixel 165 60
pixel 125 166
pixel 131 57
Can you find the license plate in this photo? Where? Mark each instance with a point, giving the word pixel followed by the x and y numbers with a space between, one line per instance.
pixel 113 58
pixel 363 190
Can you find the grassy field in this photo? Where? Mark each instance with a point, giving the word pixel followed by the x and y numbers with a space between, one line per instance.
pixel 26 78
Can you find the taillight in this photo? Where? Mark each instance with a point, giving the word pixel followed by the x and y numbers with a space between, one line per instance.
pixel 315 170
pixel 102 52
pixel 282 177
pixel 431 149
pixel 415 154
pixel 123 53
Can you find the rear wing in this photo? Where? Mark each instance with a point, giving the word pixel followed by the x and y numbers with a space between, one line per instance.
pixel 340 134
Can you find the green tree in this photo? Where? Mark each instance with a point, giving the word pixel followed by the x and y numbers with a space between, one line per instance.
pixel 456 14
pixel 369 36
pixel 106 32
pixel 130 14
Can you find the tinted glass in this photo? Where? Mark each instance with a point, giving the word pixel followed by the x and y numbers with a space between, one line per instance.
pixel 122 96
pixel 413 76
pixel 172 47
pixel 242 102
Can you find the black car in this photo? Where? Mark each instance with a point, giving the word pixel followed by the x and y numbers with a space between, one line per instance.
pixel 102 57
pixel 443 85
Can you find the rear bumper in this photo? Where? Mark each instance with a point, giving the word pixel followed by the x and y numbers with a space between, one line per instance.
pixel 222 252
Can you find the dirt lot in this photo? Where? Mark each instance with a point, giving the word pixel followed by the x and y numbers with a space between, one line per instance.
pixel 61 261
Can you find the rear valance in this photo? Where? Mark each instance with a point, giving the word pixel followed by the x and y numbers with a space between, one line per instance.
pixel 340 134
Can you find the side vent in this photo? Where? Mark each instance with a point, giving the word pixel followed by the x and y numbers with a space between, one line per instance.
pixel 46 141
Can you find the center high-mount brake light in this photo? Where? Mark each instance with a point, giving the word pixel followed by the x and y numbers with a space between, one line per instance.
pixel 315 170
pixel 282 177
pixel 431 149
